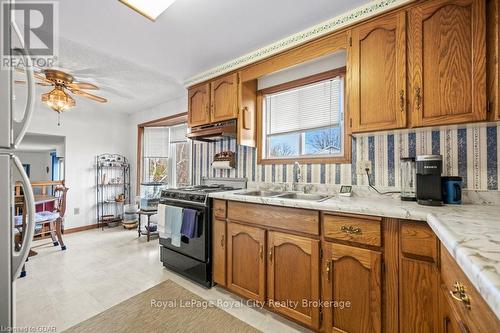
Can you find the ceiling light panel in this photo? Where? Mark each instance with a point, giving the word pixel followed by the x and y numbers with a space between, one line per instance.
pixel 149 8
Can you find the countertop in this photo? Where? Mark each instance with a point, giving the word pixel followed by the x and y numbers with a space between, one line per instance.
pixel 470 232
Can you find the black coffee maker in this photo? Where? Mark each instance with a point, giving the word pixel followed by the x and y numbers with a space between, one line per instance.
pixel 429 169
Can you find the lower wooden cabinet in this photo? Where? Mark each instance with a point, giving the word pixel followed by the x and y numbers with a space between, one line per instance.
pixel 246 268
pixel 449 321
pixel 352 275
pixel 219 251
pixel 293 277
pixel 418 278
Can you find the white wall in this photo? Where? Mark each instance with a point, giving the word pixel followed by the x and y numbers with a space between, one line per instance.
pixel 39 162
pixel 88 133
pixel 175 106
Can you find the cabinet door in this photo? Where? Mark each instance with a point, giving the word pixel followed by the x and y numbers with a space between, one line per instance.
pixel 293 276
pixel 418 295
pixel 246 261
pixel 378 60
pixel 492 54
pixel 352 275
pixel 219 251
pixel 450 321
pixel 447 62
pixel 224 98
pixel 199 105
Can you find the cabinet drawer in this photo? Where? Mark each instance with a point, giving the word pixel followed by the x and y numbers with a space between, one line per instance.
pixel 220 209
pixel 476 314
pixel 418 240
pixel 290 219
pixel 352 229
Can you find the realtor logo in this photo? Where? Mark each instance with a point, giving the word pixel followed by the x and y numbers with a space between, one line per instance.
pixel 31 26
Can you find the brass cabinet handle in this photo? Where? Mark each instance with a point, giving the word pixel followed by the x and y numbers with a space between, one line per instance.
pixel 206 110
pixel 402 100
pixel 222 241
pixel 261 251
pixel 458 293
pixel 328 268
pixel 271 254
pixel 418 97
pixel 212 109
pixel 350 230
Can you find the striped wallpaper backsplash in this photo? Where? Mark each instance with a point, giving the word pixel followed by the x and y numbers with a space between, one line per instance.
pixel 470 152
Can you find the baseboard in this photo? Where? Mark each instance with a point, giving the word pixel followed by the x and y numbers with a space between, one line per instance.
pixel 82 228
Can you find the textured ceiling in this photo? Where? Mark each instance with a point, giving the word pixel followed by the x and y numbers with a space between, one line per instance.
pixel 140 63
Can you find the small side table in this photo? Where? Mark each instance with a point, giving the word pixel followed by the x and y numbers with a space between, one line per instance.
pixel 148 233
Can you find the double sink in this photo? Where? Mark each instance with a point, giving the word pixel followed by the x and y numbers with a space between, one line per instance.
pixel 287 195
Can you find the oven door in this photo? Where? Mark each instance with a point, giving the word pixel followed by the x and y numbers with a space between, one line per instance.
pixel 197 247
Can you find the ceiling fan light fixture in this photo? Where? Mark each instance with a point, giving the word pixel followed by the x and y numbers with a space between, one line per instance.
pixel 150 9
pixel 58 100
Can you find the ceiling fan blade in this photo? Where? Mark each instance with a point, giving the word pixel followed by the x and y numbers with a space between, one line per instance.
pixel 39 76
pixel 45 84
pixel 85 94
pixel 82 85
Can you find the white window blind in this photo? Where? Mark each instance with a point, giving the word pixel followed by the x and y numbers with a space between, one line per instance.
pixel 312 106
pixel 178 133
pixel 156 141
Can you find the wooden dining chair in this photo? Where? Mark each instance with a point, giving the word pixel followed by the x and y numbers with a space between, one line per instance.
pixel 60 192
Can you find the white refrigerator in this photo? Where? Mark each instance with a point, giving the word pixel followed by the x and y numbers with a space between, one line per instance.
pixel 13 125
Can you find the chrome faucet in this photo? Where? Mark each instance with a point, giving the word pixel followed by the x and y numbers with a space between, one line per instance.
pixel 297 176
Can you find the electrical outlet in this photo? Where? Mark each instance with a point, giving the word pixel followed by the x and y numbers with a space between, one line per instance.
pixel 76 211
pixel 362 166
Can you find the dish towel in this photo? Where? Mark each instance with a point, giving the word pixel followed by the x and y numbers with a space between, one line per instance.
pixel 162 210
pixel 189 223
pixel 173 224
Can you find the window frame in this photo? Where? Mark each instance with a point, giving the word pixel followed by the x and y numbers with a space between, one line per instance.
pixel 173 120
pixel 322 159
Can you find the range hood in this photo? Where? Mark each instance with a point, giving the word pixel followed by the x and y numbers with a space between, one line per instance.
pixel 214 132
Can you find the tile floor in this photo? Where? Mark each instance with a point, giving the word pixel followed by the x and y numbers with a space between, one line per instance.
pixel 101 269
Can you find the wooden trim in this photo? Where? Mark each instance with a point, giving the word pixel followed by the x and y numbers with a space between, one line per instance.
pixel 140 133
pixel 175 119
pixel 346 158
pixel 341 71
pixel 82 228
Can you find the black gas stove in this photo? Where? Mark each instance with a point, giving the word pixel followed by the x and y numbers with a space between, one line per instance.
pixel 195 194
pixel 193 258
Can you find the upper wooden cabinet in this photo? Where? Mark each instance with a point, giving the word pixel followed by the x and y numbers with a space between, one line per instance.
pixel 447 62
pixel 286 284
pixel 352 274
pixel 199 105
pixel 246 260
pixel 378 74
pixel 492 56
pixel 224 98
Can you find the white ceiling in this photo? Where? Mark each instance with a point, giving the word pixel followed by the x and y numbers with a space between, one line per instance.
pixel 141 64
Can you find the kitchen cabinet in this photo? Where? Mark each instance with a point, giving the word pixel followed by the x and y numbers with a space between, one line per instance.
pixel 447 62
pixel 293 276
pixel 492 54
pixel 418 278
pixel 450 322
pixel 471 313
pixel 199 105
pixel 352 275
pixel 224 98
pixel 219 251
pixel 378 74
pixel 246 260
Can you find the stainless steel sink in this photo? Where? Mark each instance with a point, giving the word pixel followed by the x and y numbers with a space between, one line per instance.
pixel 304 196
pixel 260 193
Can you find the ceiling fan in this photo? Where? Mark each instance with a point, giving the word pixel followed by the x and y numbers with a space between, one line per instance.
pixel 58 99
